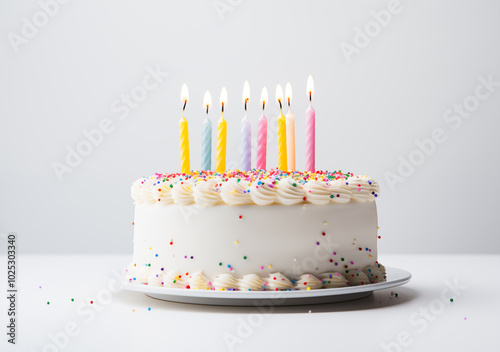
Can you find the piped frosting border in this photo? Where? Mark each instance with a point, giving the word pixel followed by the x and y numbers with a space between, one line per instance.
pixel 257 187
pixel 253 282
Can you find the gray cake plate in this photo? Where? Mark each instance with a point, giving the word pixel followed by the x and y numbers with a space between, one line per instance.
pixel 395 277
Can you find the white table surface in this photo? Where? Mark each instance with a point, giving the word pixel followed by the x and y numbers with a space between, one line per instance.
pixel 422 316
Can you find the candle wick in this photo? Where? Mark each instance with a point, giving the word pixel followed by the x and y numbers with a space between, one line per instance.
pixel 245 104
pixel 281 107
pixel 222 107
pixel 263 105
pixel 207 109
pixel 184 107
pixel 288 102
pixel 310 96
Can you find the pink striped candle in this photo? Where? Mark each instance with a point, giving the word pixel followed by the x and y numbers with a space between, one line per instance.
pixel 310 129
pixel 262 134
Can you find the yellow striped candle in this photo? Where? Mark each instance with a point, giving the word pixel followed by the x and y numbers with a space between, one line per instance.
pixel 184 133
pixel 282 164
pixel 220 165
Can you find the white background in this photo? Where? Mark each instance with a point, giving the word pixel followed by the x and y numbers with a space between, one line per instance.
pixel 369 112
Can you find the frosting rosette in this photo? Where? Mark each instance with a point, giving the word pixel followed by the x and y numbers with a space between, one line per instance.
pixel 198 281
pixel 340 192
pixel 278 282
pixel 235 191
pixel 308 282
pixel 138 274
pixel 182 192
pixel 333 280
pixel 251 282
pixel 224 282
pixel 162 191
pixel 207 192
pixel 376 273
pixel 363 188
pixel 264 192
pixel 290 191
pixel 318 192
pixel 142 190
pixel 173 279
pixel 156 279
pixel 356 277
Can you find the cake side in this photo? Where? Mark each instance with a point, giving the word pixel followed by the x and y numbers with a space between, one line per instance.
pixel 312 231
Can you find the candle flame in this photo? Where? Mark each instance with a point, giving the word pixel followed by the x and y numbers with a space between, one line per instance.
pixel 246 93
pixel 207 101
pixel 184 95
pixel 288 93
pixel 264 97
pixel 223 97
pixel 310 87
pixel 279 94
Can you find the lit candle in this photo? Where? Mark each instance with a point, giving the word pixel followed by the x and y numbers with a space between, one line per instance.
pixel 220 165
pixel 246 133
pixel 183 133
pixel 262 136
pixel 281 131
pixel 206 135
pixel 310 129
pixel 290 130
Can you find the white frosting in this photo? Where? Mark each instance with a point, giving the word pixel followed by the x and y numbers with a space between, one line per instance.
pixel 333 280
pixel 318 192
pixel 290 191
pixel 213 190
pixel 278 281
pixel 198 281
pixel 225 282
pixel 251 282
pixel 236 192
pixel 265 234
pixel 308 281
pixel 264 192
pixel 173 279
pixel 376 273
pixel 356 277
pixel 207 192
pixel 340 191
pixel 363 188
pixel 142 190
pixel 156 278
pixel 138 273
pixel 271 237
pixel 162 192
pixel 183 192
pixel 130 271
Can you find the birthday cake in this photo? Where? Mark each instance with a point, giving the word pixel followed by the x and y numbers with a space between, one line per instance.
pixel 255 230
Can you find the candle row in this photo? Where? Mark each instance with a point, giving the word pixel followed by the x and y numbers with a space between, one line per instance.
pixel 286 133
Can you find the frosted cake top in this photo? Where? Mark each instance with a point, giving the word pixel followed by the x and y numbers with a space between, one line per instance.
pixel 258 187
